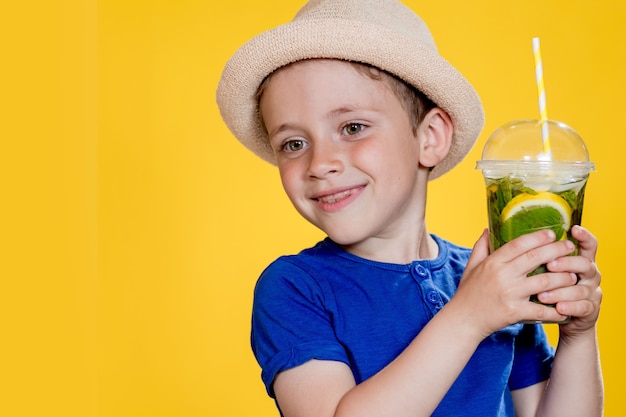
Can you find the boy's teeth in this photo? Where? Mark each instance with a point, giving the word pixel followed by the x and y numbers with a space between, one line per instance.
pixel 335 197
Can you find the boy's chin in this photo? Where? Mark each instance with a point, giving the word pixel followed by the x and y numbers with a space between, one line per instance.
pixel 342 233
pixel 345 239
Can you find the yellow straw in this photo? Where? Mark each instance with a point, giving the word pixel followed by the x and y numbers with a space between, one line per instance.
pixel 545 133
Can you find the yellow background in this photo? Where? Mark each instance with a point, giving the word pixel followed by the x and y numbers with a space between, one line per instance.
pixel 133 226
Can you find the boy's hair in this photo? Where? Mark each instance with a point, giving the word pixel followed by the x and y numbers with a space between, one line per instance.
pixel 412 100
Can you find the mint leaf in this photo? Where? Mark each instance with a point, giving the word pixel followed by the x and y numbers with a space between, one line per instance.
pixel 527 221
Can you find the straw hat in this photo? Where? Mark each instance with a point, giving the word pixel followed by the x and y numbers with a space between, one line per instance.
pixel 383 33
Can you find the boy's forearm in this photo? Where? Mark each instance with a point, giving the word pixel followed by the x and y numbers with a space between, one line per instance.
pixel 417 380
pixel 575 387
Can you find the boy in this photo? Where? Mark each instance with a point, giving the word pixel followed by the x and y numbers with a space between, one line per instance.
pixel 356 108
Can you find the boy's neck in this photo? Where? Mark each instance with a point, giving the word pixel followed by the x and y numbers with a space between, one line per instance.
pixel 397 251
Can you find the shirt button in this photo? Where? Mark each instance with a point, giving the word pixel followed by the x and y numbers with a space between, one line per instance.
pixel 421 271
pixel 433 297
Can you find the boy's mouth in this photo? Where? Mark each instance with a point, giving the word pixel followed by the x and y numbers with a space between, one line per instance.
pixel 333 198
pixel 337 196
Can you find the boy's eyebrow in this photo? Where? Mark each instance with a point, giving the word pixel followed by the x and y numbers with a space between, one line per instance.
pixel 281 128
pixel 341 110
pixel 331 114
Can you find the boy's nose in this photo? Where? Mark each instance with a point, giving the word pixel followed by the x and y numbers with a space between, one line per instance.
pixel 325 159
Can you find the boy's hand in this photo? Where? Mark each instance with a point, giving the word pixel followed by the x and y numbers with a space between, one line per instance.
pixel 495 290
pixel 582 301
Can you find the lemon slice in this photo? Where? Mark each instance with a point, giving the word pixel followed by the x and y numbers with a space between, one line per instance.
pixel 526 213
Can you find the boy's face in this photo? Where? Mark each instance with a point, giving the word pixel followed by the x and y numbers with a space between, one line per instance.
pixel 347 155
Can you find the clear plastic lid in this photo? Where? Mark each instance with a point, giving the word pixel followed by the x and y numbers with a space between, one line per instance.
pixel 521 143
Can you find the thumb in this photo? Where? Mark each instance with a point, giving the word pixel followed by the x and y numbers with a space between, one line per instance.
pixel 480 251
pixel 587 242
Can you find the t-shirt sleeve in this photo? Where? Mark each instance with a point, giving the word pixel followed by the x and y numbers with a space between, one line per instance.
pixel 533 357
pixel 292 321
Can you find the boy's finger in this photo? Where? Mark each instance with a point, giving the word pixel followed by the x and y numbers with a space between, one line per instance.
pixel 525 244
pixel 587 242
pixel 549 285
pixel 480 250
pixel 582 266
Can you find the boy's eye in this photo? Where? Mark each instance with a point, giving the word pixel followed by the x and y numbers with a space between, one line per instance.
pixel 294 145
pixel 353 128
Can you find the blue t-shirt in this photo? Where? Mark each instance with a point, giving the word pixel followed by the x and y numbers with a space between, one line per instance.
pixel 325 303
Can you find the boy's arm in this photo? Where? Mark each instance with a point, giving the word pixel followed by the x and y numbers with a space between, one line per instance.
pixel 493 293
pixel 526 400
pixel 575 387
pixel 412 385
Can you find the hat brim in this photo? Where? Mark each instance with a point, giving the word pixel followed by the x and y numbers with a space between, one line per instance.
pixel 411 61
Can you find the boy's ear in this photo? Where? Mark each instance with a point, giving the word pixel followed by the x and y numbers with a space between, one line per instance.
pixel 435 134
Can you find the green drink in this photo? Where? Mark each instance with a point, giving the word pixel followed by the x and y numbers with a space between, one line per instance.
pixel 515 209
pixel 529 189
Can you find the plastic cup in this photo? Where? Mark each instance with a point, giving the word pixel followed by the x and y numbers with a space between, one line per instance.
pixel 529 187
